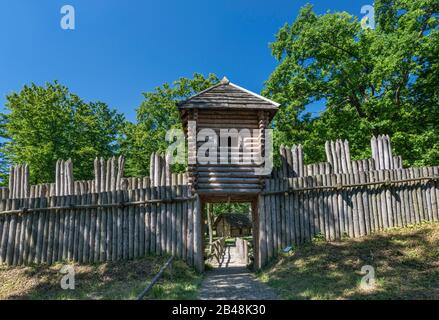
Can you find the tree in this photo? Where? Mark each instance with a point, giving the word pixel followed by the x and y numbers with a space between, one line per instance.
pixel 45 123
pixel 373 81
pixel 156 115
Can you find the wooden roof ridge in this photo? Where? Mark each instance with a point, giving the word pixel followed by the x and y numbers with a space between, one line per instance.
pixel 241 220
pixel 226 82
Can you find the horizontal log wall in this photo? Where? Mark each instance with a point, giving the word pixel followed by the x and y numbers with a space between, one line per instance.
pixel 233 169
pixel 294 210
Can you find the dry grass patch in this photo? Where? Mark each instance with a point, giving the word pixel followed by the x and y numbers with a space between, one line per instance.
pixel 110 280
pixel 406 263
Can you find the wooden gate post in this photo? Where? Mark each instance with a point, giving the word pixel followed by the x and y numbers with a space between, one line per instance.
pixel 198 240
pixel 259 235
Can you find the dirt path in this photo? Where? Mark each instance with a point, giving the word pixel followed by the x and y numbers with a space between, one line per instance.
pixel 231 280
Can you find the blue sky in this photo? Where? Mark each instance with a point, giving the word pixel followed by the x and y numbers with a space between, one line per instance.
pixel 120 49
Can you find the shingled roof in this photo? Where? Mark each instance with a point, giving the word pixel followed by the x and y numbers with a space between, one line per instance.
pixel 226 95
pixel 237 220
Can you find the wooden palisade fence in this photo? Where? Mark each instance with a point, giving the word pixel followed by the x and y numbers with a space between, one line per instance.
pixel 113 218
pixel 343 197
pixel 108 218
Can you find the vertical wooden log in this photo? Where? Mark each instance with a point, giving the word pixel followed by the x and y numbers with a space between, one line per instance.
pixel 302 213
pixel 268 219
pixel 98 221
pixel 382 198
pixel 433 198
pixel 354 198
pixel 389 200
pixel 284 212
pixel 31 228
pixel 291 223
pixel 185 213
pixel 262 245
pixel 323 205
pixel 56 231
pixel 113 212
pixel 436 188
pixel 320 206
pixel 92 229
pixel 334 205
pixel 309 218
pixel 378 200
pixel 102 171
pixel 405 197
pixel 147 196
pixel 80 199
pixel 40 228
pixel 365 198
pixel 11 182
pixel 97 175
pixel 163 213
pixel 396 199
pixel 421 195
pixel 109 224
pixel 427 195
pixel 140 194
pixel 277 197
pixel 168 213
pixel 190 231
pixel 340 208
pixel 373 203
pixel 179 217
pixel 44 251
pixel 51 221
pixel 328 152
pixel 300 160
pixel 18 247
pixel 136 224
pixel 24 228
pixel 198 254
pixel 103 244
pixel 5 232
pixel 153 246
pixel 414 185
pixel 119 223
pixel 67 228
pixel 173 210
pixel 374 148
pixel 130 212
pixel 86 199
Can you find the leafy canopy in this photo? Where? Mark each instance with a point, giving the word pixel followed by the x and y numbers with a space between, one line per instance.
pixel 45 123
pixel 372 81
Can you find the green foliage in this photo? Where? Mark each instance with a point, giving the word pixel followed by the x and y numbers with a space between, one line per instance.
pixel 45 123
pixel 157 114
pixel 373 81
pixel 232 207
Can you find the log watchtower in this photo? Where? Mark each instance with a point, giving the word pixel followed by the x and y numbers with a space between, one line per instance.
pixel 212 119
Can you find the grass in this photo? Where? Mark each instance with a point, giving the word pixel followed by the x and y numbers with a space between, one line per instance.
pixel 111 280
pixel 406 263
